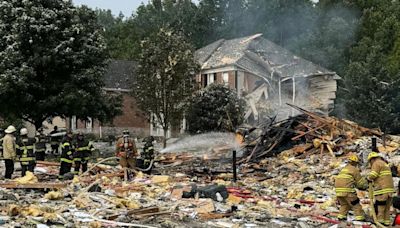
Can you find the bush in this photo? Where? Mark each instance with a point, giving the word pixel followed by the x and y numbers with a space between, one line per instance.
pixel 215 108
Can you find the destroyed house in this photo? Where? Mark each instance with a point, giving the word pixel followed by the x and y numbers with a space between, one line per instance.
pixel 267 76
pixel 117 79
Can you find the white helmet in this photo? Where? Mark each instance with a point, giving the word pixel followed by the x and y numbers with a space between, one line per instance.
pixel 10 129
pixel 23 131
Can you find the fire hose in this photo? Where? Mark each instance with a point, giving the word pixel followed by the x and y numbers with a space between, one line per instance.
pixel 372 206
pixel 117 158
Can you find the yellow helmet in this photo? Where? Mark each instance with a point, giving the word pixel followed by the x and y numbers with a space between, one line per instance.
pixel 353 158
pixel 373 155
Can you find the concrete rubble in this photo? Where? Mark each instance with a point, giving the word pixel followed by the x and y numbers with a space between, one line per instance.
pixel 285 179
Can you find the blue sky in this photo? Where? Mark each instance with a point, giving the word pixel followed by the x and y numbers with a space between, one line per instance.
pixel 116 6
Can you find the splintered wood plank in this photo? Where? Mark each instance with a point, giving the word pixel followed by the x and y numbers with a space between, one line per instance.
pixel 308 132
pixel 142 211
pixel 47 163
pixel 15 185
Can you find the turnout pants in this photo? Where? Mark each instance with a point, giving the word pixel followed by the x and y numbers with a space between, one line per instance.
pixel 29 167
pixel 65 167
pixel 80 163
pixel 9 168
pixel 347 202
pixel 127 162
pixel 383 203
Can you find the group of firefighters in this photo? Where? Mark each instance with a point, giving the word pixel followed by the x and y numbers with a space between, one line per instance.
pixel 75 152
pixel 380 177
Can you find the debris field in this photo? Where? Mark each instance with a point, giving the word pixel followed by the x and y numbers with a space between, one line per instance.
pixel 285 175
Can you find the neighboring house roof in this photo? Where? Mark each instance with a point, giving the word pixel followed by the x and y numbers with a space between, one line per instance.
pixel 259 56
pixel 119 75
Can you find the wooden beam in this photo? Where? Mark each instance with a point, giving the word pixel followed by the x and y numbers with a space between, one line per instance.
pixel 15 185
pixel 47 163
pixel 147 210
pixel 308 132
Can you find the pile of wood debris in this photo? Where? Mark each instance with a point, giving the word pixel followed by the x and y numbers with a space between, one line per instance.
pixel 285 179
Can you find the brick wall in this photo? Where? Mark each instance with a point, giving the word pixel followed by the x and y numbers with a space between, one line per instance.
pixel 132 118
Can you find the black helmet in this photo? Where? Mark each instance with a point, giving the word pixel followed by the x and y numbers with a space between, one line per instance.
pixel 149 139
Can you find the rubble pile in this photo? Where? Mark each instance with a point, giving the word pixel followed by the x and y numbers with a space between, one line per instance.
pixel 285 179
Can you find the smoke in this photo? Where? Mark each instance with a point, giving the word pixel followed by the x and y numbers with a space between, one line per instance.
pixel 319 31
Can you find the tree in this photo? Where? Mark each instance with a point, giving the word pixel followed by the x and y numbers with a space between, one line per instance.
pixel 215 108
pixel 121 35
pixel 373 78
pixel 52 57
pixel 165 77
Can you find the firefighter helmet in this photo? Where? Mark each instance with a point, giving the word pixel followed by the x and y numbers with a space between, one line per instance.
pixel 373 155
pixel 23 131
pixel 353 158
pixel 10 129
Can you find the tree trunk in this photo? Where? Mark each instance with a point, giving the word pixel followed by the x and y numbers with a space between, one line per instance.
pixel 165 129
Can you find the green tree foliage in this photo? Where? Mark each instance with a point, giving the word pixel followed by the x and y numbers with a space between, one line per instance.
pixel 373 77
pixel 165 77
pixel 215 108
pixel 52 57
pixel 120 33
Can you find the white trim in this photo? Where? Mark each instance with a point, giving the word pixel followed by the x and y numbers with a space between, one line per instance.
pixel 219 70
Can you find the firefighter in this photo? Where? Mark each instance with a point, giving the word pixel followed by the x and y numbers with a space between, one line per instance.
pixel 346 182
pixel 67 158
pixel 83 150
pixel 126 151
pixel 9 151
pixel 54 140
pixel 148 153
pixel 25 150
pixel 381 177
pixel 40 146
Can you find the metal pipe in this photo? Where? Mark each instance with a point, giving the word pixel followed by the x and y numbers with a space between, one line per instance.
pixel 373 145
pixel 234 165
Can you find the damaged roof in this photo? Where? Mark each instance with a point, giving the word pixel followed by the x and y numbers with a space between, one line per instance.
pixel 259 56
pixel 120 74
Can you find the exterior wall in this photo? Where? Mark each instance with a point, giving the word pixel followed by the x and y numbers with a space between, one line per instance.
pixel 241 81
pixel 132 119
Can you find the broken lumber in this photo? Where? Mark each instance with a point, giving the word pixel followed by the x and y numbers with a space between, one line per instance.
pixel 207 216
pixel 47 163
pixel 147 210
pixel 308 132
pixel 141 216
pixel 15 185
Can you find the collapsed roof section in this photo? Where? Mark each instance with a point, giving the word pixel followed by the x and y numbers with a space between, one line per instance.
pixel 258 56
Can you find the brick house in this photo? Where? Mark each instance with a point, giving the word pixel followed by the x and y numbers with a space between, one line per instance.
pixel 267 76
pixel 117 79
